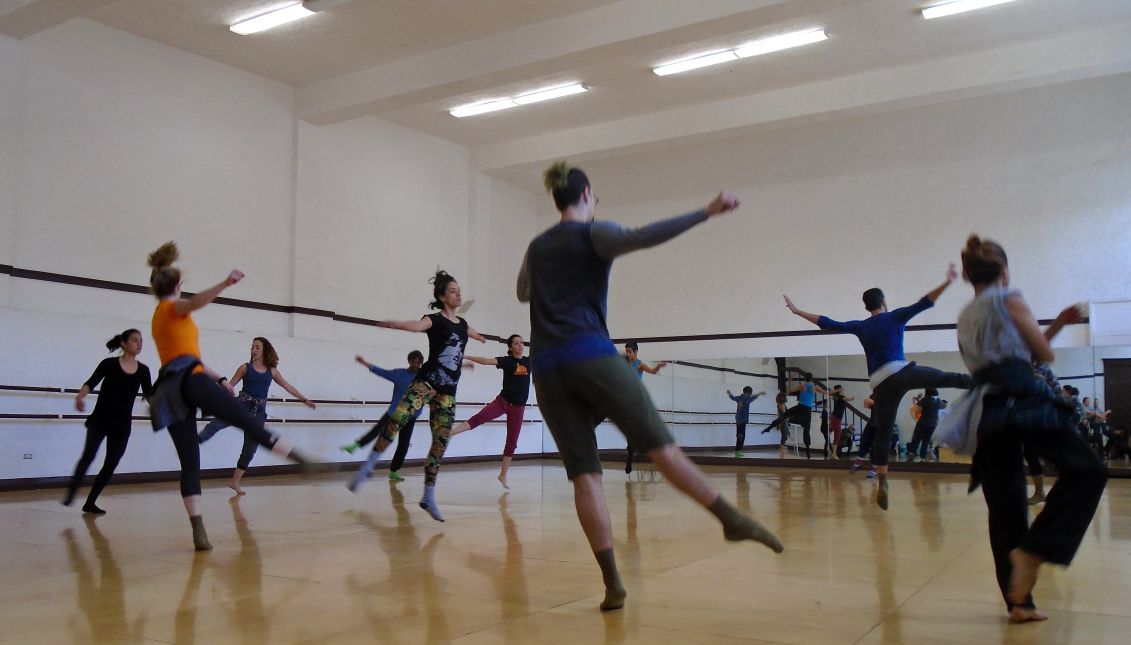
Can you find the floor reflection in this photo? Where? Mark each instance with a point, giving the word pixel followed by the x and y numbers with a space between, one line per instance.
pixel 101 597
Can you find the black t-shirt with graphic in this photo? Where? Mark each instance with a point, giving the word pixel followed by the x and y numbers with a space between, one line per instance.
pixel 516 378
pixel 446 343
pixel 840 405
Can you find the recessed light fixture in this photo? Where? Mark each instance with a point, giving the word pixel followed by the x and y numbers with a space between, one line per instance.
pixel 280 16
pixel 494 105
pixel 958 6
pixel 755 48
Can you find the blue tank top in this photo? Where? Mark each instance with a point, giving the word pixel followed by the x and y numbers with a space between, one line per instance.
pixel 807 396
pixel 256 383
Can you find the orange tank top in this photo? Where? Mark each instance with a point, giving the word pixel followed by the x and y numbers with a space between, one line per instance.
pixel 175 335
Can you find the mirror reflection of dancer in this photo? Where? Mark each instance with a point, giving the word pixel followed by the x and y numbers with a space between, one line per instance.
pixel 186 384
pixel 632 355
pixel 257 375
pixel 742 416
pixel 121 376
pixel 999 338
pixel 802 413
pixel 781 400
pixel 401 379
pixel 836 417
pixel 511 400
pixel 890 374
pixel 580 379
pixel 929 405
pixel 435 384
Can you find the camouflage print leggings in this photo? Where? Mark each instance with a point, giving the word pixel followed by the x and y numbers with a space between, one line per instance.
pixel 442 409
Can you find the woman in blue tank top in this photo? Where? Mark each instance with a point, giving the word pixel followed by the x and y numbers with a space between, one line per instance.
pixel 257 375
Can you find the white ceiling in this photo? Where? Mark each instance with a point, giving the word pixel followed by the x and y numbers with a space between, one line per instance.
pixel 409 61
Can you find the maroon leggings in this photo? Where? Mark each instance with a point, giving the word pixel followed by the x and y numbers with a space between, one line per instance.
pixel 496 409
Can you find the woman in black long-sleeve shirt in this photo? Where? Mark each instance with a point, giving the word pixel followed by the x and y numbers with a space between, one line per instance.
pixel 121 376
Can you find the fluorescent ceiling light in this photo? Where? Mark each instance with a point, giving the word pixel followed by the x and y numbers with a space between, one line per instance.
pixel 271 19
pixel 494 105
pixel 762 46
pixel 778 43
pixel 482 107
pixel 695 62
pixel 958 6
pixel 551 93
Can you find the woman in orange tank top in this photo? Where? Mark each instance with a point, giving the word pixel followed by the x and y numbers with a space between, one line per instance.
pixel 177 340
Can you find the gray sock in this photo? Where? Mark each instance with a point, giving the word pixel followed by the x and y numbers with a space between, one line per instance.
pixel 737 526
pixel 614 590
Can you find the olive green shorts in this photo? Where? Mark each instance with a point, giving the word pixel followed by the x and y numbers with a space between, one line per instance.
pixel 575 398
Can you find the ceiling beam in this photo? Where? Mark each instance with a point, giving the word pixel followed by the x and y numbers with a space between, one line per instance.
pixel 24 18
pixel 506 57
pixel 1072 57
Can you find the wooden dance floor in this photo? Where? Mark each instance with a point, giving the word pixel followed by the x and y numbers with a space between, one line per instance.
pixel 305 561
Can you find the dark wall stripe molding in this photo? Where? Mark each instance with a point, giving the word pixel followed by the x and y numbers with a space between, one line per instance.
pixel 95 283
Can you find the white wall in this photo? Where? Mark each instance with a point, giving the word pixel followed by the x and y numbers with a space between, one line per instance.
pixel 126 143
pixel 9 147
pixel 832 209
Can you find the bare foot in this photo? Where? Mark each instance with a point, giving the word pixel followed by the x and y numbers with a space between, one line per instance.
pixel 1037 498
pixel 236 487
pixel 1024 576
pixel 1025 615
pixel 503 481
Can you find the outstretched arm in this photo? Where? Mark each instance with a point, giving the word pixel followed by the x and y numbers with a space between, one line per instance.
pixel 482 361
pixel 422 325
pixel 185 306
pixel 471 333
pixel 611 240
pixel 951 276
pixel 1069 315
pixel 522 287
pixel 654 369
pixel 278 377
pixel 1030 331
pixel 797 312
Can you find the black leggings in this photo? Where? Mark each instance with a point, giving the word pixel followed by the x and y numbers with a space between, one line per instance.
pixel 1056 533
pixel 116 440
pixel 921 440
pixel 889 393
pixel 740 435
pixel 403 439
pixel 202 392
pixel 792 415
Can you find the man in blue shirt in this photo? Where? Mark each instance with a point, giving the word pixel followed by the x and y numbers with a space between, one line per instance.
pixel 742 416
pixel 632 355
pixel 401 379
pixel 890 374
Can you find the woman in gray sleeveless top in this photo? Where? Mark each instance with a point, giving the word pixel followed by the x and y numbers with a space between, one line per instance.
pixel 999 339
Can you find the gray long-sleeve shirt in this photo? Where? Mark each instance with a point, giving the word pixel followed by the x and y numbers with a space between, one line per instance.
pixel 565 275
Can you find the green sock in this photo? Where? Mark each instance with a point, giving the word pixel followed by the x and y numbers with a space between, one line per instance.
pixel 350 447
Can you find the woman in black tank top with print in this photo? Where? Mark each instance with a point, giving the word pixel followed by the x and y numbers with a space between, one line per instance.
pixel 435 384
